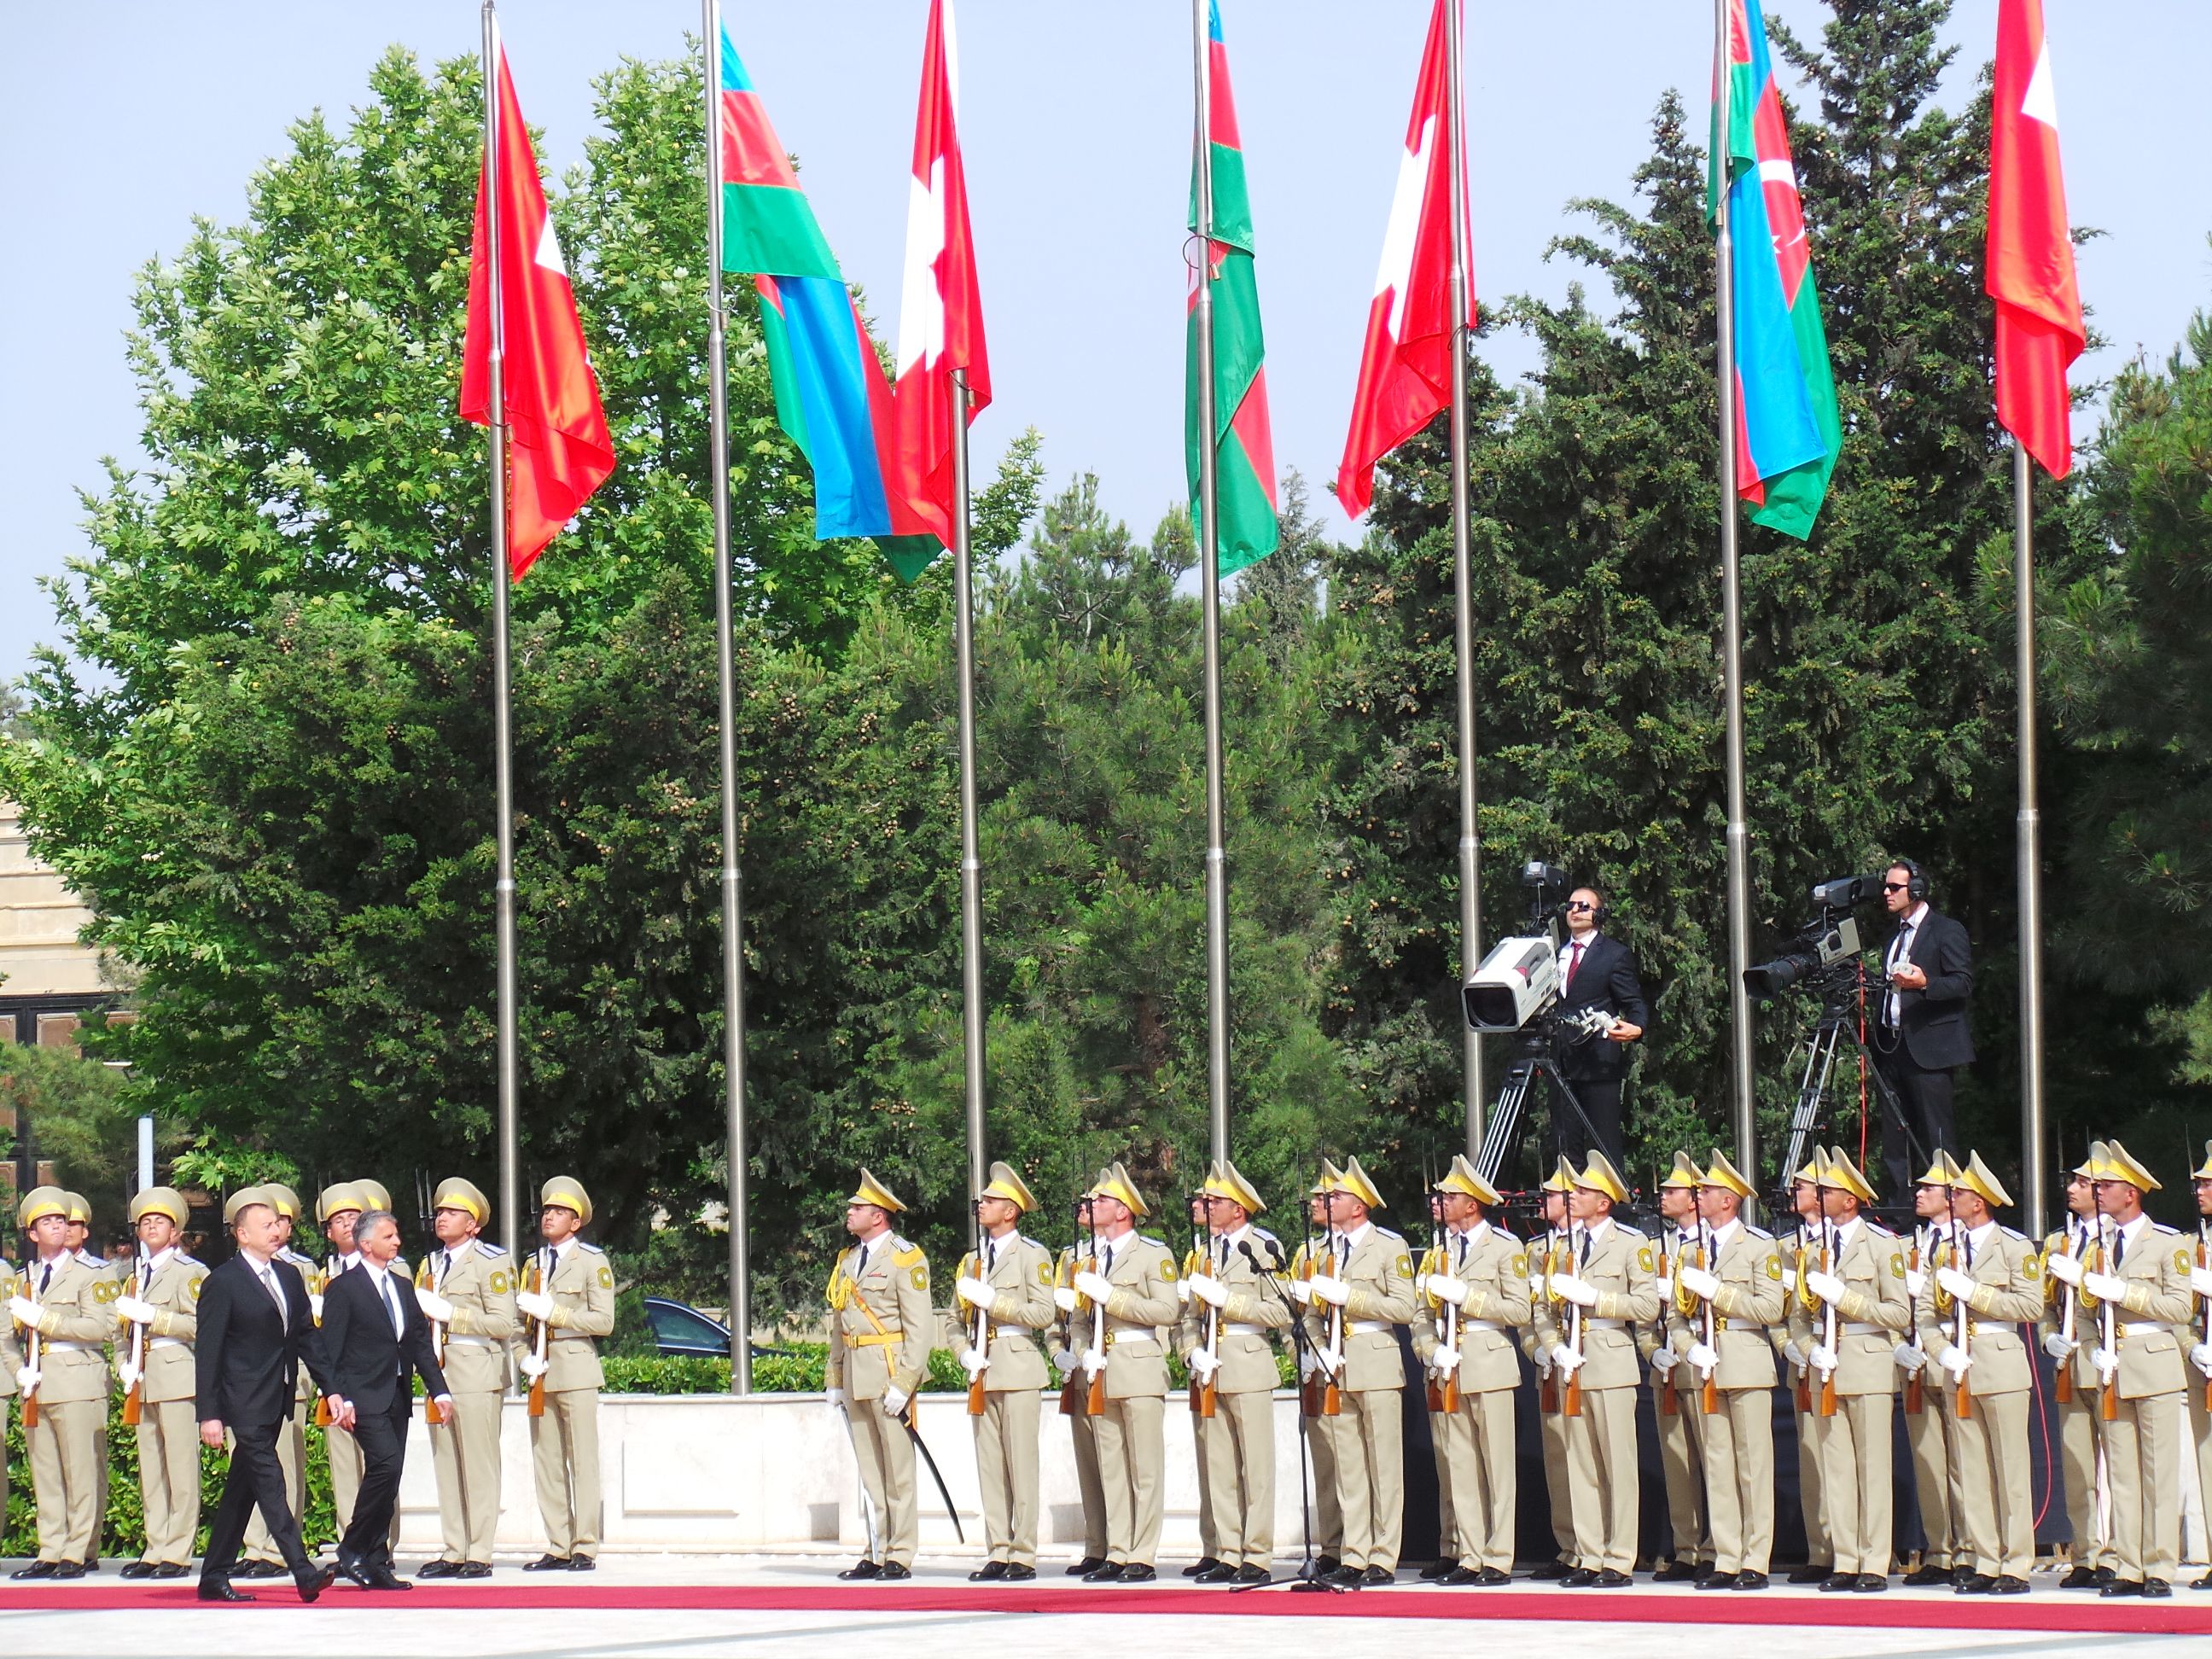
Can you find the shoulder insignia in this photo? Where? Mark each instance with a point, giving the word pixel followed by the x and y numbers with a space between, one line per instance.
pixel 1761 1232
pixel 906 1255
pixel 1774 1266
pixel 2181 1262
pixel 2012 1233
pixel 1643 1261
pixel 1396 1239
pixel 2161 1227
pixel 192 1286
pixel 490 1248
pixel 1405 1265
pixel 1261 1232
pixel 499 1282
pixel 1044 1273
pixel 593 1249
pixel 2031 1265
pixel 190 1261
pixel 1897 1264
pixel 606 1277
pixel 1167 1270
pixel 1519 1265
pixel 1879 1230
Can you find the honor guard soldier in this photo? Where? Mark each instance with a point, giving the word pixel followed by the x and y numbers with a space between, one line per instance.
pixel 2063 1328
pixel 1362 1292
pixel 1328 1513
pixel 1546 1250
pixel 1852 1293
pixel 1131 1289
pixel 570 1304
pixel 1232 1307
pixel 1801 1252
pixel 80 1235
pixel 1074 1398
pixel 157 1319
pixel 2199 1339
pixel 1732 1276
pixel 1005 1300
pixel 1681 1427
pixel 1610 1281
pixel 2136 1286
pixel 1470 1304
pixel 881 1322
pixel 11 1362
pixel 466 1290
pixel 1987 1283
pixel 65 1313
pixel 1947 1556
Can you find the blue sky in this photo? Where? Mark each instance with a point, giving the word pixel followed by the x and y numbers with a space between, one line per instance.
pixel 125 120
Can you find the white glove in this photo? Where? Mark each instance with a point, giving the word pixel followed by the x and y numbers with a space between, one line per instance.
pixel 2200 1357
pixel 2200 1281
pixel 1567 1359
pixel 1301 1290
pixel 1794 1354
pixel 2060 1348
pixel 1915 1282
pixel 1666 1284
pixel 1955 1283
pixel 1064 1362
pixel 1663 1360
pixel 1203 1364
pixel 1444 1361
pixel 1064 1299
pixel 1094 1361
pixel 1446 1289
pixel 1789 1280
pixel 975 1293
pixel 533 1368
pixel 1575 1290
pixel 1826 1286
pixel 137 1312
pixel 1208 1290
pixel 1096 1286
pixel 127 1375
pixel 535 1304
pixel 1699 1282
pixel 433 1305
pixel 1306 1366
pixel 2104 1360
pixel 1335 1292
pixel 833 1398
pixel 1544 1365
pixel 1956 1361
pixel 26 1379
pixel 1535 1287
pixel 315 1307
pixel 2104 1287
pixel 1703 1357
pixel 25 1311
pixel 2066 1269
pixel 973 1360
pixel 895 1402
pixel 1822 1359
pixel 1909 1356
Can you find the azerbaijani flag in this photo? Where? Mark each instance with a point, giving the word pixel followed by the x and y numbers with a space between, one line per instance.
pixel 1245 451
pixel 1788 435
pixel 831 397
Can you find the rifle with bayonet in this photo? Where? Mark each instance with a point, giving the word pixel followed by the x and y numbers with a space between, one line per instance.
pixel 1962 1401
pixel 1571 1398
pixel 1204 1402
pixel 1071 1385
pixel 541 1275
pixel 133 1406
pixel 1915 1402
pixel 2108 1405
pixel 426 1212
pixel 982 1333
pixel 1710 1398
pixel 1447 1389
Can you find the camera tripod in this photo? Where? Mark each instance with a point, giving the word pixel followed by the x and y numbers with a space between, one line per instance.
pixel 1837 1026
pixel 1533 1048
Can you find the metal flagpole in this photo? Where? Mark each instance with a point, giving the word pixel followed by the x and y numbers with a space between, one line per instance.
pixel 733 911
pixel 971 863
pixel 1739 828
pixel 1470 834
pixel 1209 545
pixel 510 1115
pixel 2028 834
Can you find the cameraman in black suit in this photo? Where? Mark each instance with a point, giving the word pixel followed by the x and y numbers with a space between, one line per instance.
pixel 1922 1033
pixel 376 1343
pixel 1594 972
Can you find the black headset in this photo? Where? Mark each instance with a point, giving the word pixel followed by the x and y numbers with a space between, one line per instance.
pixel 1603 914
pixel 1916 885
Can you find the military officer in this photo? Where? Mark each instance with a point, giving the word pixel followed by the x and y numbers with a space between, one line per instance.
pixel 1607 1282
pixel 11 1361
pixel 1791 1338
pixel 157 1317
pixel 1362 1292
pixel 880 1342
pixel 1947 1559
pixel 2062 1325
pixel 2200 1340
pixel 80 1235
pixel 1231 1309
pixel 1193 1263
pixel 1469 1305
pixel 1681 1427
pixel 1005 1302
pixel 1544 1251
pixel 65 1312
pixel 1328 1513
pixel 571 1305
pixel 2139 1281
pixel 1133 1283
pixel 466 1290
pixel 1075 1395
pixel 1860 1312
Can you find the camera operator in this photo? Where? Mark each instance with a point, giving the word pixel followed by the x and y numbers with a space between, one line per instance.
pixel 1594 972
pixel 1922 1033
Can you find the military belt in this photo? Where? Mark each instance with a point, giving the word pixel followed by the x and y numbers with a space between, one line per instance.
pixel 1481 1325
pixel 1592 1322
pixel 1241 1328
pixel 2143 1329
pixel 1368 1327
pixel 452 1342
pixel 879 1339
pixel 1860 1327
pixel 166 1342
pixel 62 1344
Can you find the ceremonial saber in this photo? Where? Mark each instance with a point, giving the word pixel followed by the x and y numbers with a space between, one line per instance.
pixel 922 1446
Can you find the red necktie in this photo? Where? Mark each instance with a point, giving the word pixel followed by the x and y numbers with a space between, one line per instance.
pixel 1574 964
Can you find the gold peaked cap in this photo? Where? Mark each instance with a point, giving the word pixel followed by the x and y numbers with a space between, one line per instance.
pixel 2088 1166
pixel 2121 1164
pixel 1329 1175
pixel 1114 1182
pixel 1978 1177
pixel 1943 1170
pixel 1353 1179
pixel 457 1193
pixel 1602 1177
pixel 1462 1178
pixel 1684 1174
pixel 283 1198
pixel 1226 1180
pixel 80 1208
pixel 567 1192
pixel 1005 1183
pixel 337 1198
pixel 377 1195
pixel 2203 1171
pixel 41 1201
pixel 1719 1172
pixel 1838 1170
pixel 1562 1178
pixel 161 1201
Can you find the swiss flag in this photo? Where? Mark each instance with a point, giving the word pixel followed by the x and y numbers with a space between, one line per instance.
pixel 2031 256
pixel 941 307
pixel 558 449
pixel 1405 372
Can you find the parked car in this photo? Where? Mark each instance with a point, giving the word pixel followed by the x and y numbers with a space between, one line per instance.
pixel 680 1329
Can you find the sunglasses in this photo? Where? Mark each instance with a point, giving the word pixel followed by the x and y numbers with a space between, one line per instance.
pixel 1581 904
pixel 1897 887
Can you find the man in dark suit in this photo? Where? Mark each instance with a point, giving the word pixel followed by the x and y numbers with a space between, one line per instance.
pixel 375 1342
pixel 1596 972
pixel 256 1329
pixel 1922 1033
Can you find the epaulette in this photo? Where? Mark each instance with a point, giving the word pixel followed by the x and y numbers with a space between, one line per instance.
pixel 1632 1232
pixel 1261 1232
pixel 490 1248
pixel 1879 1230
pixel 593 1249
pixel 1386 1233
pixel 906 1257
pixel 1759 1232
pixel 1157 1244
pixel 2010 1233
pixel 95 1261
pixel 287 1253
pixel 2161 1227
pixel 189 1260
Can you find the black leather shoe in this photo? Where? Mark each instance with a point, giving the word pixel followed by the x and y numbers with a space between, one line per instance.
pixel 1551 1570
pixel 2152 1588
pixel 1678 1572
pixel 591 1563
pixel 2105 1575
pixel 1346 1577
pixel 1461 1576
pixel 1491 1575
pixel 560 1564
pixel 1253 1573
pixel 357 1571
pixel 172 1570
pixel 1019 1572
pixel 1203 1564
pixel 1809 1574
pixel 218 1590
pixel 439 1570
pixel 1086 1567
pixel 1611 1579
pixel 1138 1572
pixel 2009 1584
pixel 1326 1565
pixel 473 1569
pixel 1220 1573
pixel 1374 1576
pixel 1872 1583
pixel 2122 1587
pixel 1442 1568
pixel 1979 1583
pixel 382 1577
pixel 889 1570
pixel 1578 1578
pixel 136 1570
pixel 1921 1578
pixel 1839 1580
pixel 2205 1582
pixel 259 1569
pixel 1716 1581
pixel 69 1569
pixel 862 1567
pixel 989 1572
pixel 1751 1581
pixel 1106 1572
pixel 318 1580
pixel 2084 1578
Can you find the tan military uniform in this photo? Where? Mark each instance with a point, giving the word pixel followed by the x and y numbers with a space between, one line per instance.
pixel 1368 1435
pixel 1988 1445
pixel 564 1443
pixel 1130 1433
pixel 2200 1419
pixel 1739 1437
pixel 2144 1444
pixel 1476 1458
pixel 1073 1336
pixel 478 1278
pixel 168 1421
pixel 74 1322
pixel 291 1437
pixel 2080 1425
pixel 1552 1427
pixel 880 1331
pixel 1019 1273
pixel 1682 1431
pixel 1796 1332
pixel 1871 1321
pixel 1936 1486
pixel 1237 1445
pixel 11 1361
pixel 1327 1512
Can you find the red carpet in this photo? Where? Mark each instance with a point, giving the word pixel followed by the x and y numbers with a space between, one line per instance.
pixel 2050 1610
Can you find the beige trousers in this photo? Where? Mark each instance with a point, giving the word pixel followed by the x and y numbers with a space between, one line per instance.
pixel 1989 1445
pixel 292 1458
pixel 1083 1428
pixel 564 1451
pixel 1208 1544
pixel 1855 1480
pixel 1812 1498
pixel 2143 1450
pixel 2200 1429
pixel 1440 1453
pixel 1602 1481
pixel 170 1477
pixel 64 1449
pixel 1558 1480
pixel 1006 1470
pixel 1368 1437
pixel 2078 1433
pixel 464 1452
pixel 1476 1441
pixel 1681 1459
pixel 1237 1466
pixel 1931 1476
pixel 1132 1467
pixel 1739 1450
pixel 1328 1505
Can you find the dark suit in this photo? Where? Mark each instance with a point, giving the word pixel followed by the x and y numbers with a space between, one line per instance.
pixel 246 1361
pixel 1604 978
pixel 1916 1054
pixel 373 1367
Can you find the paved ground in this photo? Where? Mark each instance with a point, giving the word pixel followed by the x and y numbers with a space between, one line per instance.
pixel 341 1625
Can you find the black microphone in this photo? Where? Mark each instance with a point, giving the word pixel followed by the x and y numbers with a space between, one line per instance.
pixel 1275 1266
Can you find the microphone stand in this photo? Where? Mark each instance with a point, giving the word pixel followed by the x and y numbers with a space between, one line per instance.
pixel 1307 1577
